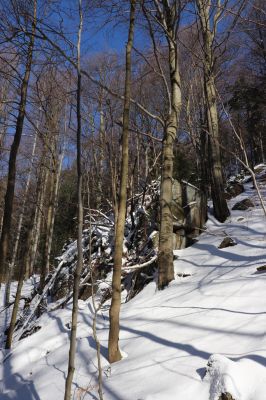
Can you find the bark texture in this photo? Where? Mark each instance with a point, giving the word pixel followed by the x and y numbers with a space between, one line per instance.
pixel 165 255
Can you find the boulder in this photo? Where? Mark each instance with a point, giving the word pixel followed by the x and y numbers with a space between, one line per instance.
pixel 227 242
pixel 243 205
pixel 179 240
pixel 226 396
pixel 189 208
pixel 262 268
pixel 234 189
pixel 86 291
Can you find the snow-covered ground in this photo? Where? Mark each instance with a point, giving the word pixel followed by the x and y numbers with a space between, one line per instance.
pixel 217 314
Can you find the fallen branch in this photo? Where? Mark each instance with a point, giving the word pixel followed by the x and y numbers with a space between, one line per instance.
pixel 139 266
pixel 36 302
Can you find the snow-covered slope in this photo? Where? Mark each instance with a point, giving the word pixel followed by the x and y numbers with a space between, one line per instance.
pixel 167 336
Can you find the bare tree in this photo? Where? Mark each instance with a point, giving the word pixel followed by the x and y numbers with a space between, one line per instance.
pixel 209 17
pixel 114 353
pixel 167 17
pixel 73 334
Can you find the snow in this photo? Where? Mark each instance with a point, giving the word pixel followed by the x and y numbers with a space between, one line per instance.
pixel 216 316
pixel 235 378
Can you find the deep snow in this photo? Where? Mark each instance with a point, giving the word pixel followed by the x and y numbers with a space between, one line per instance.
pixel 168 336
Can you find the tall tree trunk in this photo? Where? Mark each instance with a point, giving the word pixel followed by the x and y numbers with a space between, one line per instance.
pixel 165 254
pixel 99 194
pixel 3 116
pixel 11 180
pixel 47 230
pixel 204 170
pixel 113 346
pixel 20 222
pixel 221 211
pixel 54 187
pixel 78 270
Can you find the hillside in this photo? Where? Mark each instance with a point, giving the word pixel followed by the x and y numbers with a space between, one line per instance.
pixel 214 308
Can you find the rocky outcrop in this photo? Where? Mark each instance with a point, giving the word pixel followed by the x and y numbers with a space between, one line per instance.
pixel 243 205
pixel 233 189
pixel 141 240
pixel 189 209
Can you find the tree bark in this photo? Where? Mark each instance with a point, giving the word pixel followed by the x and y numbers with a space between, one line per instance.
pixel 220 209
pixel 114 353
pixel 165 253
pixel 11 180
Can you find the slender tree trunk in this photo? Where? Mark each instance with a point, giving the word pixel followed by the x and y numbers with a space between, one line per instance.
pixel 48 229
pixel 54 187
pixel 11 180
pixel 262 153
pixel 18 296
pixel 204 175
pixel 36 228
pixel 20 222
pixel 3 116
pixel 100 160
pixel 73 334
pixel 113 345
pixel 55 200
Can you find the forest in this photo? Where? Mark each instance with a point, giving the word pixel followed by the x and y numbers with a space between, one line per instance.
pixel 132 196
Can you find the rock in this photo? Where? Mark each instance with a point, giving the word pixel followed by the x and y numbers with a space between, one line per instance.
pixel 182 275
pixel 226 396
pixel 227 242
pixel 179 240
pixel 135 281
pixel 86 291
pixel 244 204
pixel 259 168
pixel 189 208
pixel 154 239
pixel 234 189
pixel 177 203
pixel 262 268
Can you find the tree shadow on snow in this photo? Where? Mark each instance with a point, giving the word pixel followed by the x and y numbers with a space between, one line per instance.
pixel 18 388
pixel 192 350
pixel 104 350
pixel 214 251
